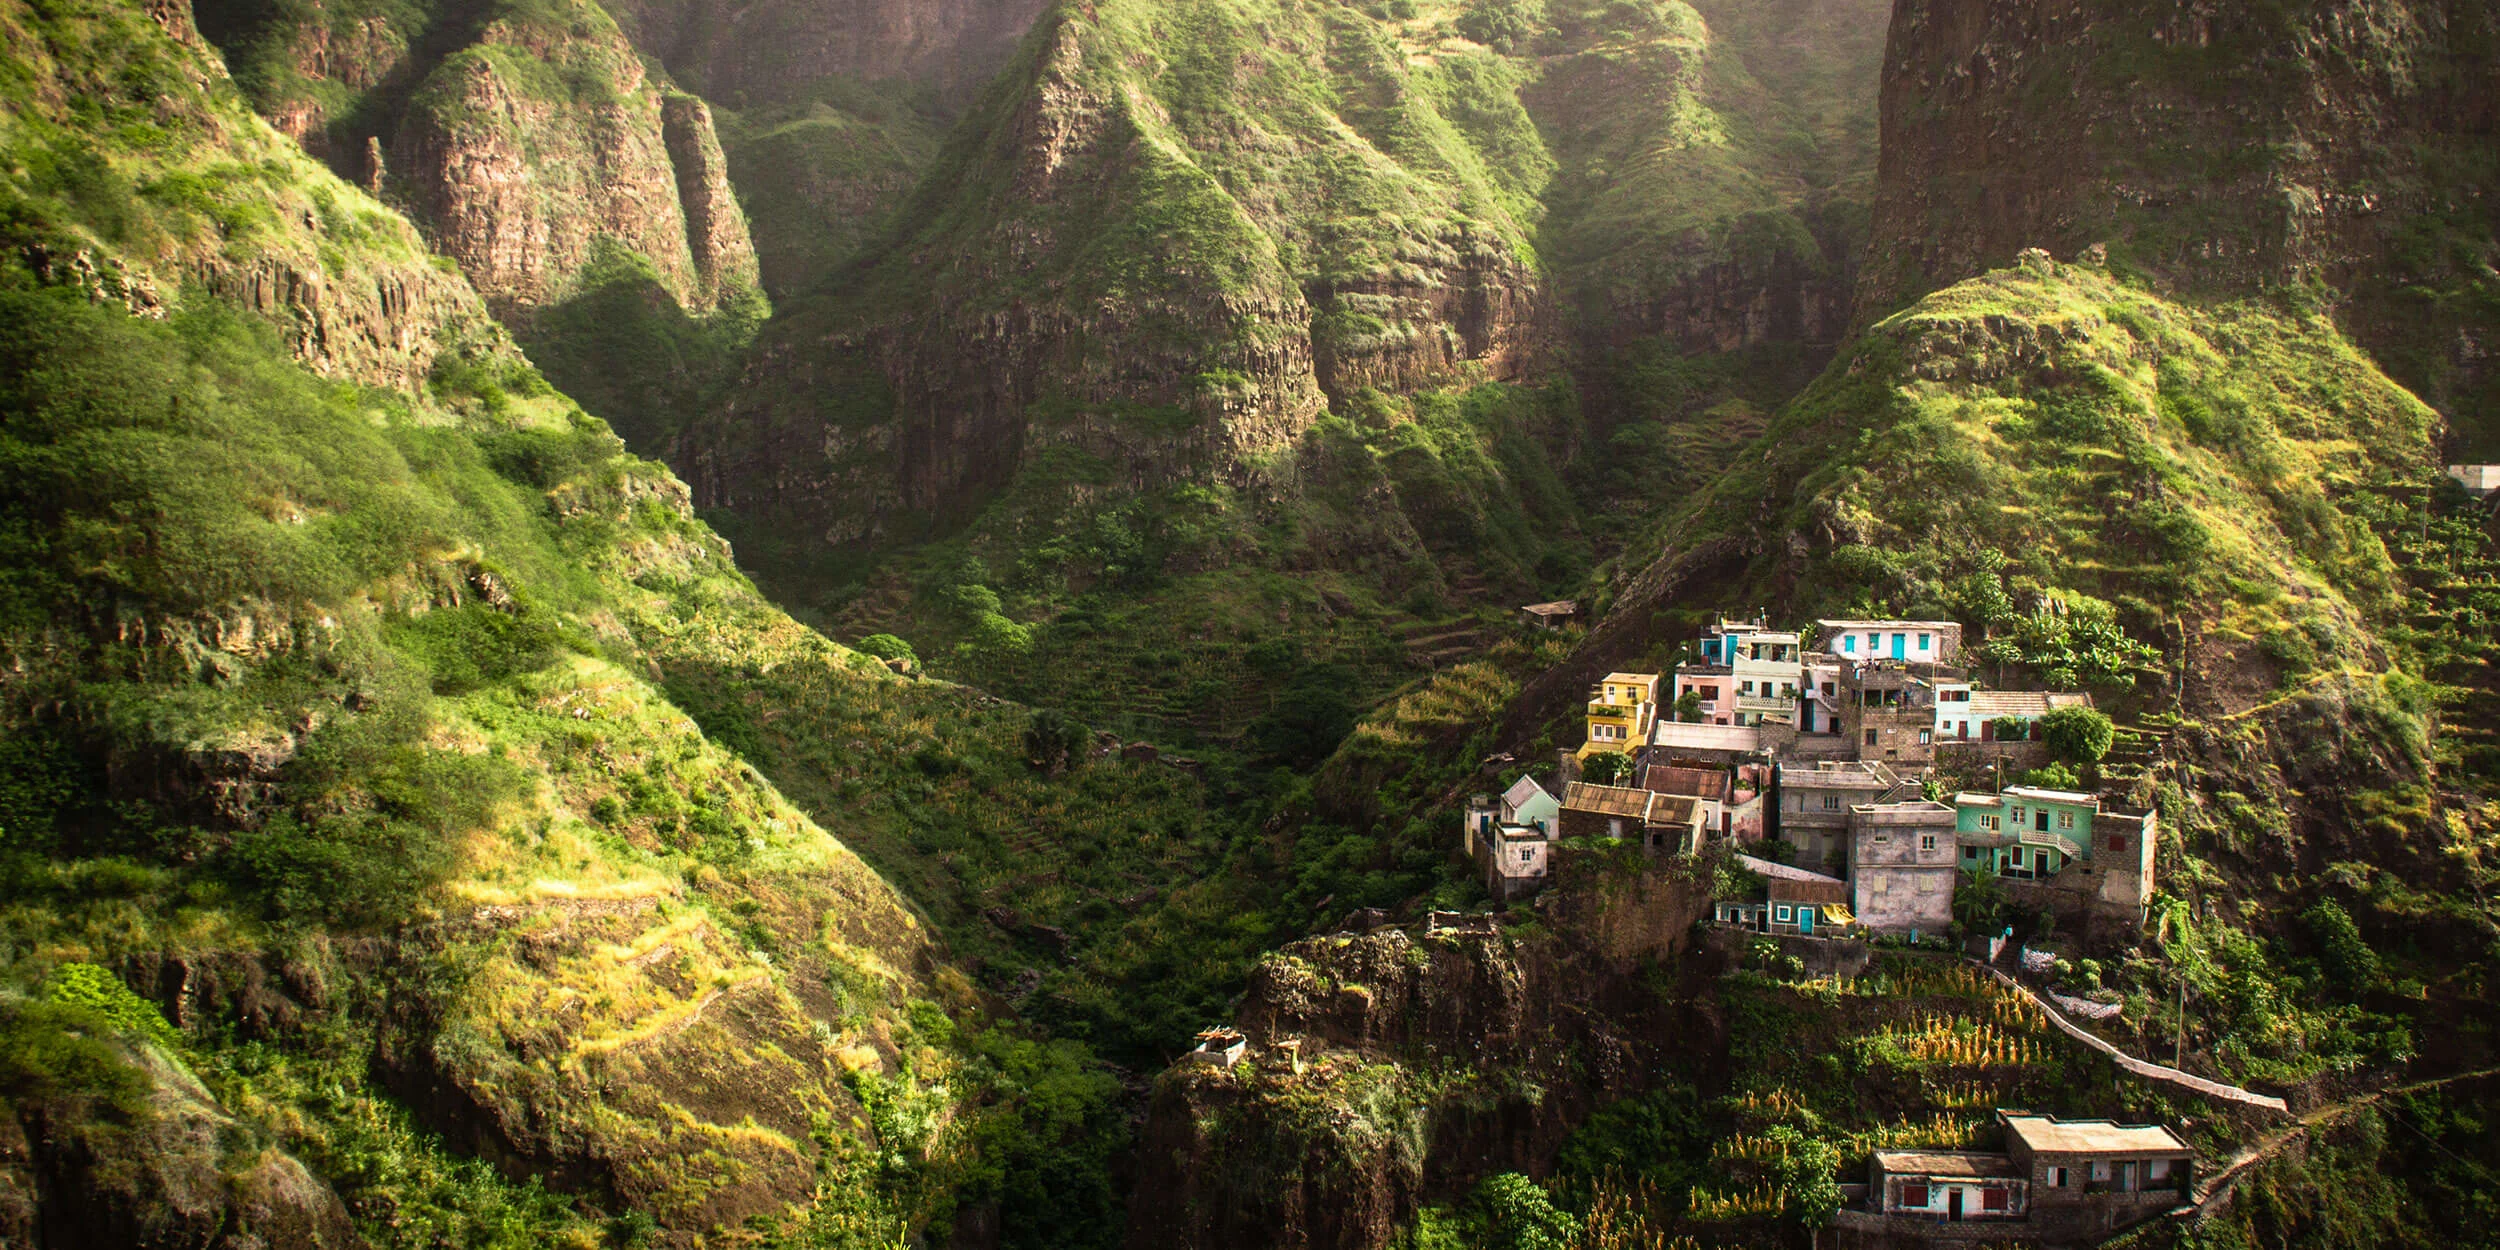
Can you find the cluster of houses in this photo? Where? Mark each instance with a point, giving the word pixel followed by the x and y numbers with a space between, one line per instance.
pixel 1824 746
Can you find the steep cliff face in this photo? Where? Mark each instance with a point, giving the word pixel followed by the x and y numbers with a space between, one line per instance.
pixel 133 221
pixel 1384 1071
pixel 518 137
pixel 1714 160
pixel 1167 240
pixel 1141 249
pixel 2222 147
pixel 750 55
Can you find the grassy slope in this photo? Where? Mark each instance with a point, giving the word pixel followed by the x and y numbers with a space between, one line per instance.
pixel 296 662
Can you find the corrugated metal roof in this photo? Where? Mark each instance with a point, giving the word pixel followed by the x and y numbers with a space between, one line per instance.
pixel 1605 800
pixel 1522 791
pixel 2049 1135
pixel 1765 868
pixel 1944 1163
pixel 1708 783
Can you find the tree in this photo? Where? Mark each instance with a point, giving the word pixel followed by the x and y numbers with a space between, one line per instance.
pixel 1520 1215
pixel 1306 723
pixel 1808 1169
pixel 1051 739
pixel 1688 707
pixel 2346 956
pixel 1607 768
pixel 1980 902
pixel 887 647
pixel 2010 728
pixel 2078 735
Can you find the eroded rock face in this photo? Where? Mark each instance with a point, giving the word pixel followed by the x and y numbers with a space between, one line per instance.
pixel 518 185
pixel 1386 1070
pixel 175 1173
pixel 1081 290
pixel 752 54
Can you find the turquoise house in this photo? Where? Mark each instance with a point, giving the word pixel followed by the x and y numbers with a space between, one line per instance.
pixel 2024 832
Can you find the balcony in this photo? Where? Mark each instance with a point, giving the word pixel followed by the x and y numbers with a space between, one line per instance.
pixel 2056 842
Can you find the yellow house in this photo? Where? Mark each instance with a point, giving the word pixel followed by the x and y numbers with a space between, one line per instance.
pixel 1621 710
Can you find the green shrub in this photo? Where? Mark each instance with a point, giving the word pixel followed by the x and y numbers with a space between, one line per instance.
pixel 886 647
pixel 1607 768
pixel 98 990
pixel 2077 735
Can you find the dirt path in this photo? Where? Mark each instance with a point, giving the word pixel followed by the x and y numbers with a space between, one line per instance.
pixel 2217 1188
pixel 2149 1071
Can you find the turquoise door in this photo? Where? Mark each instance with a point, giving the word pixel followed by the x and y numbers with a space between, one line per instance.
pixel 1805 919
pixel 1900 646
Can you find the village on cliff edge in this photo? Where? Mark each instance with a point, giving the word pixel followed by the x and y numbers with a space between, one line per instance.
pixel 1818 760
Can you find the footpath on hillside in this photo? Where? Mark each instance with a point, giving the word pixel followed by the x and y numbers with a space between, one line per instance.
pixel 2149 1071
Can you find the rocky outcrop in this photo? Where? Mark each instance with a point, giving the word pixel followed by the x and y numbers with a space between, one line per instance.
pixel 520 139
pixel 518 182
pixel 1385 1070
pixel 716 229
pixel 173 1169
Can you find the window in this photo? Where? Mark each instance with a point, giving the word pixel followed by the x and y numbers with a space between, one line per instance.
pixel 1849 643
pixel 1526 854
pixel 2018 814
pixel 2042 820
pixel 1926 736
pixel 1827 690
pixel 2057 1178
pixel 1913 1195
pixel 2017 860
pixel 1745 689
pixel 2065 820
pixel 1992 1200
pixel 2118 844
pixel 1927 842
pixel 1874 642
pixel 1870 737
pixel 1924 640
pixel 1782 914
pixel 1831 802
pixel 1988 823
pixel 1971 853
pixel 1710 693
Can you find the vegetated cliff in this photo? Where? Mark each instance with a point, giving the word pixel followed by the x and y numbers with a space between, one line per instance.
pixel 182 192
pixel 2221 147
pixel 1171 236
pixel 754 55
pixel 335 728
pixel 1386 1071
pixel 518 136
pixel 2064 459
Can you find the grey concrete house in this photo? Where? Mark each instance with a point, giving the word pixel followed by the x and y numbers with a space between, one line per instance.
pixel 1902 866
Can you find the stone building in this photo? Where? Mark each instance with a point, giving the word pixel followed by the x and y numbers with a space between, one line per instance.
pixel 1888 709
pixel 2090 1177
pixel 1813 807
pixel 1902 866
pixel 2057 1182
